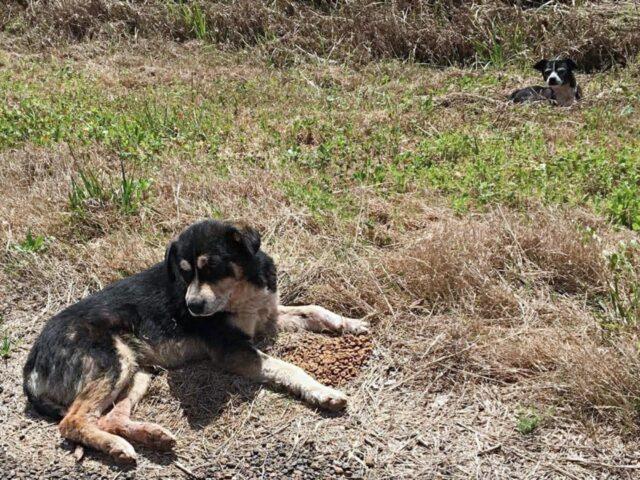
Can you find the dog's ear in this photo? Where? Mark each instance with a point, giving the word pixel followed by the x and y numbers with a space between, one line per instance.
pixel 571 64
pixel 245 237
pixel 541 64
pixel 169 260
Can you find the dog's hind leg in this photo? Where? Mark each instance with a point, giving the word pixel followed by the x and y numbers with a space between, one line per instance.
pixel 118 420
pixel 80 424
pixel 318 319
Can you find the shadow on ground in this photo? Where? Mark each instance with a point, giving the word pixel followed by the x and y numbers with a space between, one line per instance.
pixel 204 391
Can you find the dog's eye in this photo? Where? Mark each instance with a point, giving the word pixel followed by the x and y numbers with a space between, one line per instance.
pixel 548 70
pixel 215 268
pixel 561 70
pixel 187 275
pixel 210 265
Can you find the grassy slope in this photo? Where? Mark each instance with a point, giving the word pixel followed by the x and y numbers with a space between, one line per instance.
pixel 390 127
pixel 471 231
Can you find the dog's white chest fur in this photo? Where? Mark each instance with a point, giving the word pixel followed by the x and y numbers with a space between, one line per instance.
pixel 253 309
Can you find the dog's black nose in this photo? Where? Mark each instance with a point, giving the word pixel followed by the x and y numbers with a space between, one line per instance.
pixel 196 306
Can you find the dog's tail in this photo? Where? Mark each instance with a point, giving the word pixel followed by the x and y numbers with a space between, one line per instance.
pixel 42 405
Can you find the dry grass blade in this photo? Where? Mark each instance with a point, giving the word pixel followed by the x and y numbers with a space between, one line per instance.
pixel 444 32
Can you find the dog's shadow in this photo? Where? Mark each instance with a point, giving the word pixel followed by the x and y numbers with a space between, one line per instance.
pixel 204 391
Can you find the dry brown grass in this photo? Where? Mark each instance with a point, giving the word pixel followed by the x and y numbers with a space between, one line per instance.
pixel 459 305
pixel 597 34
pixel 476 316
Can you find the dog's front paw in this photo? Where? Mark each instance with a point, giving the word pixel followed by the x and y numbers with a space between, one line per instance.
pixel 328 399
pixel 355 326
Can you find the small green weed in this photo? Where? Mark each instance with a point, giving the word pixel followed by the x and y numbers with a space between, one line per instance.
pixel 5 347
pixel 32 243
pixel 88 188
pixel 194 18
pixel 315 198
pixel 527 422
pixel 621 305
pixel 623 205
pixel 132 192
pixel 90 191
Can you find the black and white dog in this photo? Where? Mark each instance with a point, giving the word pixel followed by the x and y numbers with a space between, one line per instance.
pixel 561 89
pixel 214 292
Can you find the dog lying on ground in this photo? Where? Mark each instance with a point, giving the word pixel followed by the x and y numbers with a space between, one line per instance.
pixel 561 89
pixel 215 291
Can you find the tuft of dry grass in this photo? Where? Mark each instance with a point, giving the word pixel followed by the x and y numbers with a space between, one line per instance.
pixel 597 34
pixel 488 260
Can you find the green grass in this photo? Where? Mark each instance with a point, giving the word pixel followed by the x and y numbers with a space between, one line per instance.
pixel 32 243
pixel 5 347
pixel 317 198
pixel 527 422
pixel 380 129
pixel 194 18
pixel 90 190
pixel 5 344
pixel 621 304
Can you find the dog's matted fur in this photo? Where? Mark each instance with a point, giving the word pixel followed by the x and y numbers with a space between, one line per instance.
pixel 213 293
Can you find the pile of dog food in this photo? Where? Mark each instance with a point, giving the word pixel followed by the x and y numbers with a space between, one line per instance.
pixel 330 360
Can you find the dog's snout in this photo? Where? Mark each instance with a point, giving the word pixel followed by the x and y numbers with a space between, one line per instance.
pixel 196 305
pixel 554 79
pixel 203 301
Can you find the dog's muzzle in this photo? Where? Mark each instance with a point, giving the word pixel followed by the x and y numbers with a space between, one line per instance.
pixel 554 79
pixel 204 308
pixel 202 302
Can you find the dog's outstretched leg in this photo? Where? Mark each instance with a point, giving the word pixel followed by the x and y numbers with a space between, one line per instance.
pixel 254 364
pixel 118 420
pixel 318 319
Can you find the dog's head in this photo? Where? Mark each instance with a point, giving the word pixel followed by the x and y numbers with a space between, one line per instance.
pixel 556 72
pixel 210 257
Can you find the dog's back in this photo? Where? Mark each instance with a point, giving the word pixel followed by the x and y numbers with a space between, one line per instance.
pixel 531 94
pixel 79 343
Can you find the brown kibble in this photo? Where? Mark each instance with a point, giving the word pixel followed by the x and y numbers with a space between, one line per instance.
pixel 331 360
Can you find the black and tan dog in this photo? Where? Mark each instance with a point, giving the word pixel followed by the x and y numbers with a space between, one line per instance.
pixel 213 293
pixel 561 89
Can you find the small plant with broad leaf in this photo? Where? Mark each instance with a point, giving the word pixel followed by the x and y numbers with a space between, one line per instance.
pixel 32 243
